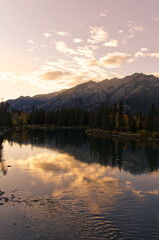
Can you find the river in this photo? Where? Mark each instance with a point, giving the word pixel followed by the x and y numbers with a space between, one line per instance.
pixel 63 184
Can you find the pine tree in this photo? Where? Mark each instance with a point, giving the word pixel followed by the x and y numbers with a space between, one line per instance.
pixel 133 126
pixel 120 115
pixel 151 119
pixel 114 116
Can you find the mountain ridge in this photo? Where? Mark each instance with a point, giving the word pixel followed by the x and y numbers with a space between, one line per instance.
pixel 138 91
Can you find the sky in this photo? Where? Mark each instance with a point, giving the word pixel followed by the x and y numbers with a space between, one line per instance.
pixel 49 45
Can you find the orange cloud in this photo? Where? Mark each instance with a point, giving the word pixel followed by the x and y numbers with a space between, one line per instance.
pixel 114 60
pixel 53 75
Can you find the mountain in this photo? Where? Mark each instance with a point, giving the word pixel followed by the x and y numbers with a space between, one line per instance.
pixel 138 91
pixel 27 103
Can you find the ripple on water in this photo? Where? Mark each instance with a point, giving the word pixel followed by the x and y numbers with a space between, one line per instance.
pixel 47 218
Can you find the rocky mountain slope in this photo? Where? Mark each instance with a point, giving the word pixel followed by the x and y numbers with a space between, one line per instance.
pixel 27 103
pixel 138 91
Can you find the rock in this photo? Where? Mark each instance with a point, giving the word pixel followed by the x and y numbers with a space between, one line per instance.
pixel 9 166
pixel 35 200
pixel 6 199
pixel 12 196
pixel 14 190
pixel 1 193
pixel 42 204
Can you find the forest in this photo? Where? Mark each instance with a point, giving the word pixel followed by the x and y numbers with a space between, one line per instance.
pixel 108 117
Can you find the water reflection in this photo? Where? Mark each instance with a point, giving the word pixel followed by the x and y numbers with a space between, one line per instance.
pixel 137 157
pixel 3 167
pixel 105 182
pixel 73 178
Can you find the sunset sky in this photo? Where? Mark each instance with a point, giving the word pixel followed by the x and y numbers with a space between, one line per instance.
pixel 49 45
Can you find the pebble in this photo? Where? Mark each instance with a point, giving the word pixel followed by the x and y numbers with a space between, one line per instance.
pixel 6 199
pixel 35 200
pixel 1 193
pixel 12 196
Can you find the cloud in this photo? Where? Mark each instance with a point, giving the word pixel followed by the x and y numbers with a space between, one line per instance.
pixel 31 49
pixel 80 69
pixel 140 54
pixel 85 51
pixel 6 75
pixel 84 62
pixel 111 43
pixel 62 33
pixel 97 35
pixel 77 40
pixel 156 19
pixel 143 53
pixel 155 55
pixel 47 35
pixel 54 75
pixel 103 13
pixel 42 45
pixel 61 46
pixel 134 28
pixel 120 31
pixel 36 47
pixel 114 60
pixel 144 49
pixel 137 28
pixel 30 42
pixel 156 74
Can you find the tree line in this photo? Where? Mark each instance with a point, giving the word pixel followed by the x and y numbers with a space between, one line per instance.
pixel 107 116
pixel 5 115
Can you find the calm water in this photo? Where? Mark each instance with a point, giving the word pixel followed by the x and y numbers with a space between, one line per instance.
pixel 66 185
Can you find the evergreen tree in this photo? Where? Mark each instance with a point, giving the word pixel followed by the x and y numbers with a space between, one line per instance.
pixel 114 116
pixel 120 115
pixel 105 120
pixel 151 120
pixel 133 126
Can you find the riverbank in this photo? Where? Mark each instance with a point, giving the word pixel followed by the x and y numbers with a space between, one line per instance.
pixel 141 135
pixel 46 127
pixel 39 127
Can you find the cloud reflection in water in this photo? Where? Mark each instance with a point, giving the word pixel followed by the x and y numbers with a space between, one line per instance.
pixel 74 179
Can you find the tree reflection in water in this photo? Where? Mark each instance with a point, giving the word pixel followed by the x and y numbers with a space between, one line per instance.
pixel 137 157
pixel 3 167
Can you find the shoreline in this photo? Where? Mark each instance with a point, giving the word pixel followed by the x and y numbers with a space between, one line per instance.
pixel 122 135
pixel 92 132
pixel 46 127
pixel 52 127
